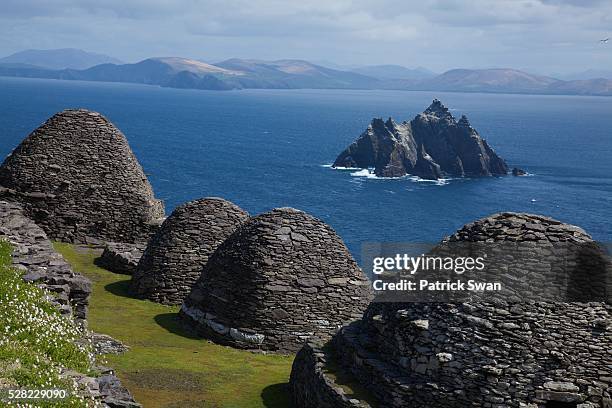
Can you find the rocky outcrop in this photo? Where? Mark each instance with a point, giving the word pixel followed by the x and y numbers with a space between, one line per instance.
pixel 174 258
pixel 114 394
pixel 77 178
pixel 104 390
pixel 283 278
pixel 120 257
pixel 518 172
pixel 503 353
pixel 431 146
pixel 34 254
pixel 105 344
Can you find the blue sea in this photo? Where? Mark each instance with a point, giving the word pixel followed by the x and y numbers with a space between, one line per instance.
pixel 271 148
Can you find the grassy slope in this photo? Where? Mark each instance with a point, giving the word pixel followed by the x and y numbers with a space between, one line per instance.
pixel 166 367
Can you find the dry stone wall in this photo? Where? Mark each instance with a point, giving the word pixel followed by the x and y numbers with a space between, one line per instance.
pixel 534 354
pixel 77 178
pixel 318 388
pixel 34 254
pixel 173 260
pixel 282 279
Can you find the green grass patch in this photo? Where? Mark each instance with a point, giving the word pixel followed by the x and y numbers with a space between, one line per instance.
pixel 166 365
pixel 35 340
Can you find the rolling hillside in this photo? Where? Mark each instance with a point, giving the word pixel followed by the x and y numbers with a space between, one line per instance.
pixel 175 72
pixel 64 58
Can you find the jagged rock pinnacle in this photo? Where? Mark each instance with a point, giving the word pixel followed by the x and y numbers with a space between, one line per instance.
pixel 438 109
pixel 377 122
pixel 464 122
pixel 390 123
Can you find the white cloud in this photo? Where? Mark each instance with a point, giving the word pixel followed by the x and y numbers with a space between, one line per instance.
pixel 555 35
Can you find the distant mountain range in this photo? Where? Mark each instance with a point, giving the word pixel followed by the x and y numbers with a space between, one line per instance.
pixel 394 72
pixel 174 72
pixel 589 74
pixel 489 80
pixel 59 59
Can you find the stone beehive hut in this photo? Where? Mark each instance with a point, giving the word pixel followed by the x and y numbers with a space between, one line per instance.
pixel 77 177
pixel 537 258
pixel 175 256
pixel 528 353
pixel 283 278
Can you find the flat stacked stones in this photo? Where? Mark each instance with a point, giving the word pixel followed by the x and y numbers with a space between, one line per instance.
pixel 519 227
pixel 77 178
pixel 282 279
pixel 489 354
pixel 174 258
pixel 120 257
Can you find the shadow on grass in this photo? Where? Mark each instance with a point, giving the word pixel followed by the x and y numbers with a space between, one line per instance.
pixel 276 396
pixel 100 264
pixel 120 288
pixel 172 323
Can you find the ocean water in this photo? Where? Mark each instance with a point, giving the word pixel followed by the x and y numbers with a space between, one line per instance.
pixel 269 148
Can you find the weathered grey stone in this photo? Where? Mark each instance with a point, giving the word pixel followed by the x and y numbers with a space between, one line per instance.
pixel 120 257
pixel 114 394
pixel 313 387
pixel 560 396
pixel 77 178
pixel 174 258
pixel 561 386
pixel 284 259
pixel 421 324
pixel 105 344
pixel 444 357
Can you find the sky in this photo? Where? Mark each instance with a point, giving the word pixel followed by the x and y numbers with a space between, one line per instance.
pixel 540 36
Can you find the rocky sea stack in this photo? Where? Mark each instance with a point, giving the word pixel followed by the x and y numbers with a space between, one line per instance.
pixel 77 178
pixel 282 279
pixel 174 258
pixel 490 354
pixel 431 146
